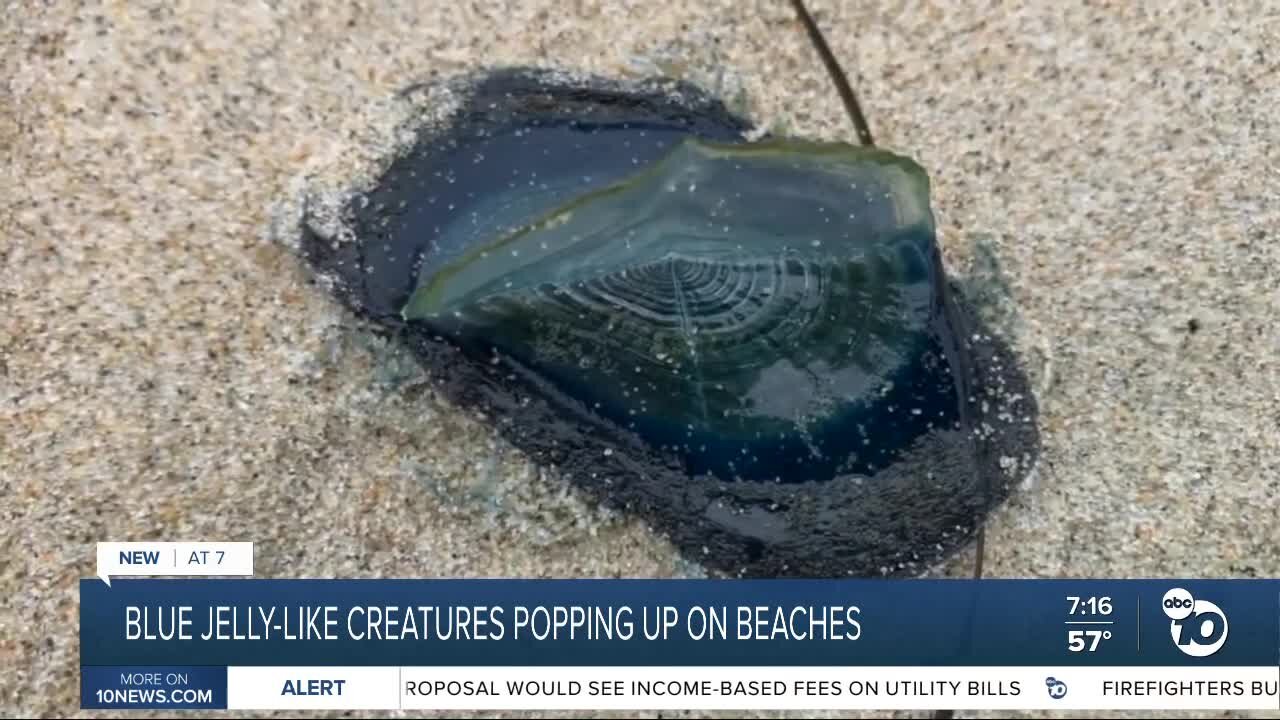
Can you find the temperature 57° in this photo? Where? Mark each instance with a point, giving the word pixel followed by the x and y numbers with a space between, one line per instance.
pixel 1086 640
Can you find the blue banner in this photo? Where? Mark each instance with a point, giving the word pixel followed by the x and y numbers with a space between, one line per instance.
pixel 164 622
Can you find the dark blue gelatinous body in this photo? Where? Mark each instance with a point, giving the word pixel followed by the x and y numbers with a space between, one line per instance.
pixel 752 346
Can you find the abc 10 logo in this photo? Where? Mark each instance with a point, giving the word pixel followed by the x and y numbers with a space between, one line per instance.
pixel 1199 627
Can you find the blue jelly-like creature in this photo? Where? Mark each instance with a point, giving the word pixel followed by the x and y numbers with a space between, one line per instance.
pixel 751 345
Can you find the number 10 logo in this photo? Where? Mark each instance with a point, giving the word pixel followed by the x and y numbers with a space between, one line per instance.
pixel 1199 627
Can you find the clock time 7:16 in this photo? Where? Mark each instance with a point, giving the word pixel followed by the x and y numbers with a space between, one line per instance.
pixel 1080 636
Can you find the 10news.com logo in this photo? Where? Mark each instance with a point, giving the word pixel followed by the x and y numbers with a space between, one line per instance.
pixel 1199 627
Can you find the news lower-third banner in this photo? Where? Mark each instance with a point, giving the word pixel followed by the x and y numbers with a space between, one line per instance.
pixel 679 644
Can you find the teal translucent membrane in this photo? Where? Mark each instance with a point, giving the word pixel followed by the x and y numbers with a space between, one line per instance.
pixel 765 311
pixel 705 201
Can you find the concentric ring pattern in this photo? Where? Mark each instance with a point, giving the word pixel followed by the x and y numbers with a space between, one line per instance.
pixel 745 307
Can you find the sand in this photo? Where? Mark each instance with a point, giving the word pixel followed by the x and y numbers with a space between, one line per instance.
pixel 169 371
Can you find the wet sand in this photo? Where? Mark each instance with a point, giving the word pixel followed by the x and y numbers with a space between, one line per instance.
pixel 168 370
